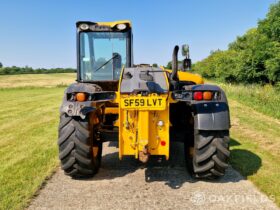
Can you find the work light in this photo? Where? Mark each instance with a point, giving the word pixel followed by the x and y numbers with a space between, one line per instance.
pixel 121 26
pixel 84 26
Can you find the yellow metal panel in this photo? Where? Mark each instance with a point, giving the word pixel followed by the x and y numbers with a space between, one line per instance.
pixel 159 134
pixel 139 127
pixel 113 24
pixel 187 76
pixel 128 133
pixel 144 129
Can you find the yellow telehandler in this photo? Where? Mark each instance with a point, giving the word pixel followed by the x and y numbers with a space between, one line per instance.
pixel 144 108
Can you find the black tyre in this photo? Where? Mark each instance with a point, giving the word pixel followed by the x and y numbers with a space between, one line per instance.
pixel 210 154
pixel 79 154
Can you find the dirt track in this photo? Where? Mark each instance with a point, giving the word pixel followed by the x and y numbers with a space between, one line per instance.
pixel 160 185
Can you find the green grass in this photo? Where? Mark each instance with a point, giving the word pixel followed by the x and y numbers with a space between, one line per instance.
pixel 37 80
pixel 265 99
pixel 255 148
pixel 28 135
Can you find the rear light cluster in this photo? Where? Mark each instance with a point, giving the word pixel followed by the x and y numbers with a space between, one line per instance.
pixel 199 95
pixel 81 97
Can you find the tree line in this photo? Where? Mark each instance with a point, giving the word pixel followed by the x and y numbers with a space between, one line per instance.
pixel 251 58
pixel 29 70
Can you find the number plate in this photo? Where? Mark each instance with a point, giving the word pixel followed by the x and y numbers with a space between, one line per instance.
pixel 144 103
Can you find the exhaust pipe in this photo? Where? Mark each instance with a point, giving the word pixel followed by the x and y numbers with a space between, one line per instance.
pixel 174 75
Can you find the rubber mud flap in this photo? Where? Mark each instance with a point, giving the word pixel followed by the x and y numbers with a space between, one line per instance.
pixel 211 116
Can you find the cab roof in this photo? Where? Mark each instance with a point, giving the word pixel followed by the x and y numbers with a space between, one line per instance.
pixel 108 24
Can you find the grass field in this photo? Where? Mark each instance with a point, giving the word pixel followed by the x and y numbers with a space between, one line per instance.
pixel 28 134
pixel 265 99
pixel 255 148
pixel 36 80
pixel 255 133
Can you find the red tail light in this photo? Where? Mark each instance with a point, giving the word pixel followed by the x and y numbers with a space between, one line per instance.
pixel 198 96
pixel 163 143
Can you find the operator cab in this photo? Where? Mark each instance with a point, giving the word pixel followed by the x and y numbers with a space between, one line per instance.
pixel 103 49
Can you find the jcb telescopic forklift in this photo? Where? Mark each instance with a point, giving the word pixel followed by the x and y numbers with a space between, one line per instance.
pixel 143 108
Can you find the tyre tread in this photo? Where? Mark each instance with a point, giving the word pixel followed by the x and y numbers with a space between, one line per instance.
pixel 75 147
pixel 211 154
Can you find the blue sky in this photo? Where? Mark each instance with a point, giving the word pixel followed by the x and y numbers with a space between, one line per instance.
pixel 42 33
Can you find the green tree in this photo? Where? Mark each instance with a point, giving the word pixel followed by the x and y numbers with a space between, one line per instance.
pixel 251 58
pixel 270 26
pixel 155 65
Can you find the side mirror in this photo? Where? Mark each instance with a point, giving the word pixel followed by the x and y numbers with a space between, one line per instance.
pixel 186 50
pixel 187 64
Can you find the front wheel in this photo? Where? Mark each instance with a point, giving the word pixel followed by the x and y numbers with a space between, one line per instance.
pixel 79 154
pixel 210 155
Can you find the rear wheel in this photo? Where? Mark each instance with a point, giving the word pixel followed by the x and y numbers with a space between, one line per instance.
pixel 79 153
pixel 210 155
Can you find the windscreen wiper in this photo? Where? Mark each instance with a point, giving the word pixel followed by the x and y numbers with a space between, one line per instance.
pixel 104 64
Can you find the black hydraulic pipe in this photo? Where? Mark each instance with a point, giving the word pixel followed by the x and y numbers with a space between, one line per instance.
pixel 174 75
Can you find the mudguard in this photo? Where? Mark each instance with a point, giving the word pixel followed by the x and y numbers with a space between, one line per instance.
pixel 81 109
pixel 212 115
pixel 208 115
